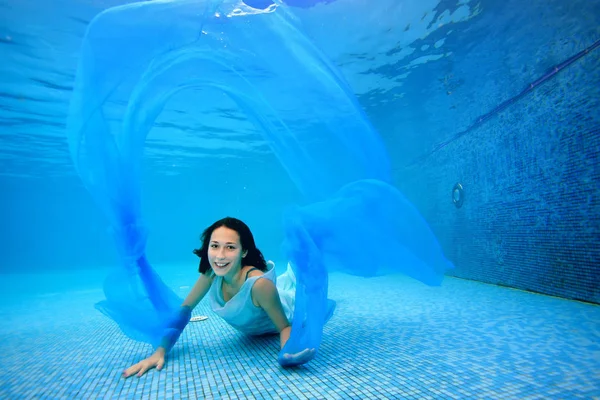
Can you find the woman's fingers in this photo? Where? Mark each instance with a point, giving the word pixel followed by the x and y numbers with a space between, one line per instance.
pixel 139 369
pixel 131 370
pixel 303 353
pixel 156 360
pixel 145 367
pixel 296 359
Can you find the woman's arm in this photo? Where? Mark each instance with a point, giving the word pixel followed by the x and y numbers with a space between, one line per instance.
pixel 200 289
pixel 178 323
pixel 176 326
pixel 266 296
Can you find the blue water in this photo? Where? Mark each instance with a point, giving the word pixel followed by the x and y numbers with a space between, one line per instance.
pixel 424 73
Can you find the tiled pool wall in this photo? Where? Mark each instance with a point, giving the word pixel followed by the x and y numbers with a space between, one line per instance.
pixel 531 178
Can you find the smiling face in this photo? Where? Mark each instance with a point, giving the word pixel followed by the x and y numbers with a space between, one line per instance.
pixel 225 252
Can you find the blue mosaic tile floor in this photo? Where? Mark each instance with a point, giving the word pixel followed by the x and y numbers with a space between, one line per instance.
pixel 391 338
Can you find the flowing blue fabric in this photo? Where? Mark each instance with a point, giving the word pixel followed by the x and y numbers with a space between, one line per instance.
pixel 135 57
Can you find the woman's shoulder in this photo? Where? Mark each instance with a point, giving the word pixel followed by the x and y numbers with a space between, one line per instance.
pixel 256 271
pixel 268 275
pixel 263 290
pixel 252 271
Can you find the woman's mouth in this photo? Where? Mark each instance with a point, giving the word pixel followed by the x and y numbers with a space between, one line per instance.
pixel 221 265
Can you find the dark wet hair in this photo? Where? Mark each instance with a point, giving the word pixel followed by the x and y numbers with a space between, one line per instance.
pixel 253 256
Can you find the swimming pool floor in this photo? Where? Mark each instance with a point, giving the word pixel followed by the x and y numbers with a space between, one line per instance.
pixel 390 338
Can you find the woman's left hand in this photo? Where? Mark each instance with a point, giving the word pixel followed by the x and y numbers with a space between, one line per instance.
pixel 295 359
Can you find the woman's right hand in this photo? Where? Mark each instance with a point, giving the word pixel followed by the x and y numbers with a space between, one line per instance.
pixel 156 360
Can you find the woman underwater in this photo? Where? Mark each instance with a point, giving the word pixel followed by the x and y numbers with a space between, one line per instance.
pixel 242 289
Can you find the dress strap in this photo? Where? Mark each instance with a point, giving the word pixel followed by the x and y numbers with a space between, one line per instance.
pixel 250 270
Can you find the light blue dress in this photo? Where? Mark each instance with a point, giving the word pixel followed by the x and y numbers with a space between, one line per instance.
pixel 241 313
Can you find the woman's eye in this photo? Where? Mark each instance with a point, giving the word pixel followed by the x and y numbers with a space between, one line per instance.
pixel 231 247
pixel 213 246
